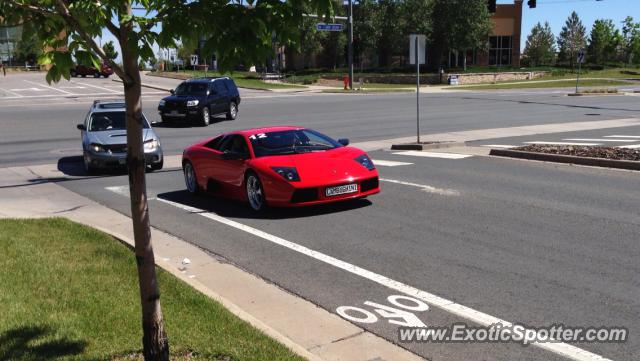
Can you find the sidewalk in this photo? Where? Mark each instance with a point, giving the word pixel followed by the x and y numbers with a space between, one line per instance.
pixel 32 192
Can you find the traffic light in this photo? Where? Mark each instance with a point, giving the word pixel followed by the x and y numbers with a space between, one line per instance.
pixel 491 5
pixel 531 3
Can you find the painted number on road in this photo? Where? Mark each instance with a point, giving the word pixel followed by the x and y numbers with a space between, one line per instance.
pixel 398 315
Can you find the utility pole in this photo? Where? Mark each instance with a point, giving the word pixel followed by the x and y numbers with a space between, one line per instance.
pixel 351 44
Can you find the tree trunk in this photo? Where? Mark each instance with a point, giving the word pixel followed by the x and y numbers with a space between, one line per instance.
pixel 154 339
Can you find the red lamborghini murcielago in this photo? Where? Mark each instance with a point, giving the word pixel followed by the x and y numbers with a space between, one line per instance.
pixel 279 166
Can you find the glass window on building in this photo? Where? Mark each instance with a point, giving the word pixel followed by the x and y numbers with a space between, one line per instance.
pixel 500 50
pixel 9 38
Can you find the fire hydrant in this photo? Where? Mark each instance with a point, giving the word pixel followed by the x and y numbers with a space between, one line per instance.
pixel 345 80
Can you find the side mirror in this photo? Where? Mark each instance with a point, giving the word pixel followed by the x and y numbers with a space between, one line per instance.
pixel 81 127
pixel 172 91
pixel 343 141
pixel 234 156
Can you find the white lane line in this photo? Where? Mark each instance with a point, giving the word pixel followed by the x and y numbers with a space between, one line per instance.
pixel 600 140
pixel 623 136
pixel 424 187
pixel 561 143
pixel 48 87
pixel 13 94
pixel 481 318
pixel 123 191
pixel 630 146
pixel 415 153
pixel 389 163
pixel 97 87
pixel 29 90
pixel 501 146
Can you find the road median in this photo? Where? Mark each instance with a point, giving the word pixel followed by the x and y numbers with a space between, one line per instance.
pixel 569 159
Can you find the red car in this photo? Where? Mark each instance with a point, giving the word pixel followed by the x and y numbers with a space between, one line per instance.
pixel 83 70
pixel 279 166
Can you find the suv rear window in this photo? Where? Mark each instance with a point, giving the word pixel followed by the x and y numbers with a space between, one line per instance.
pixel 231 85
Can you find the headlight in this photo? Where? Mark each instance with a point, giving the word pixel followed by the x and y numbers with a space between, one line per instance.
pixel 97 148
pixel 288 173
pixel 366 162
pixel 151 145
pixel 192 103
pixel 161 104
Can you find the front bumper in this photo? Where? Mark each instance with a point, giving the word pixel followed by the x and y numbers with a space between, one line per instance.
pixel 182 114
pixel 308 196
pixel 119 160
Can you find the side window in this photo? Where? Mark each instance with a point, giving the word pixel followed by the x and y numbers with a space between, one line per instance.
pixel 215 143
pixel 220 88
pixel 235 144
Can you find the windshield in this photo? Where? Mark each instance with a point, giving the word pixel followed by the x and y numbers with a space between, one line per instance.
pixel 291 142
pixel 110 121
pixel 192 89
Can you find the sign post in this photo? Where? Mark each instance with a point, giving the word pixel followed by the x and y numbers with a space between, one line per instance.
pixel 580 61
pixel 417 44
pixel 194 61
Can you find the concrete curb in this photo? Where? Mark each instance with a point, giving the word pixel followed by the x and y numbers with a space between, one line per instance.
pixel 569 159
pixel 594 94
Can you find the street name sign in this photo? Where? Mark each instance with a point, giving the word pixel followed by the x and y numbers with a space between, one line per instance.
pixel 329 27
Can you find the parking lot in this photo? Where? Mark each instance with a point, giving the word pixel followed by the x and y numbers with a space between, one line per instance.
pixel 479 237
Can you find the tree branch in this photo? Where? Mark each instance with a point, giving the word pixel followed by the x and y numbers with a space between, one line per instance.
pixel 33 8
pixel 63 11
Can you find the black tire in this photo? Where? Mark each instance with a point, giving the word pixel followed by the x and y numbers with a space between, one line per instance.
pixel 192 188
pixel 232 113
pixel 255 192
pixel 96 75
pixel 84 75
pixel 88 168
pixel 157 166
pixel 106 75
pixel 206 117
pixel 73 73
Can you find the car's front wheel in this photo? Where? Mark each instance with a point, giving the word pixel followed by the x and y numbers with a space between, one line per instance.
pixel 255 192
pixel 96 75
pixel 232 113
pixel 88 168
pixel 190 179
pixel 157 166
pixel 73 73
pixel 206 117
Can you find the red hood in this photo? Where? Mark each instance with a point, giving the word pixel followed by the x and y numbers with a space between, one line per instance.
pixel 335 165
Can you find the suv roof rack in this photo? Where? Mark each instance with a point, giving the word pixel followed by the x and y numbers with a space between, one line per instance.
pixel 208 78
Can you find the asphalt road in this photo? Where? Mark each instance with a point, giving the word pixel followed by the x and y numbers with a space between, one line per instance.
pixel 533 243
pixel 528 242
pixel 39 126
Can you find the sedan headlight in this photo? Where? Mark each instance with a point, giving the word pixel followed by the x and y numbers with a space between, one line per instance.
pixel 366 162
pixel 162 102
pixel 192 103
pixel 151 145
pixel 97 148
pixel 288 173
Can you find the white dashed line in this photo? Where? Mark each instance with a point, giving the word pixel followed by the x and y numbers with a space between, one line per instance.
pixel 97 87
pixel 623 136
pixel 561 143
pixel 424 187
pixel 437 301
pixel 415 153
pixel 389 163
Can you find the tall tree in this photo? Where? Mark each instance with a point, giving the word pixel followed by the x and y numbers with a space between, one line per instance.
pixel 417 20
pixel 604 41
pixel 366 29
pixel 460 25
pixel 631 40
pixel 70 27
pixel 572 39
pixel 28 49
pixel 110 50
pixel 390 39
pixel 310 42
pixel 540 48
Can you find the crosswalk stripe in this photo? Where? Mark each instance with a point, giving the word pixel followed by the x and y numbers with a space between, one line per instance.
pixel 600 140
pixel 561 143
pixel 389 163
pixel 501 146
pixel 623 136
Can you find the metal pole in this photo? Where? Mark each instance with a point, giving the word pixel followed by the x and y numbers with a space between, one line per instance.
pixel 578 78
pixel 417 92
pixel 351 44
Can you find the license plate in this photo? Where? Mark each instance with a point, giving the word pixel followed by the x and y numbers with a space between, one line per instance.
pixel 122 161
pixel 174 112
pixel 345 189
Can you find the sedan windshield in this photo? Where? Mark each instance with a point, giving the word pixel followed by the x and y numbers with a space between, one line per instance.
pixel 291 142
pixel 191 89
pixel 110 121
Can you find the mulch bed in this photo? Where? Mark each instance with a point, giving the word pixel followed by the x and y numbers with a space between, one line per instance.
pixel 584 151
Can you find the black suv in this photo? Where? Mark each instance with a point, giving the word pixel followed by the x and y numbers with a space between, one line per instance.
pixel 200 98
